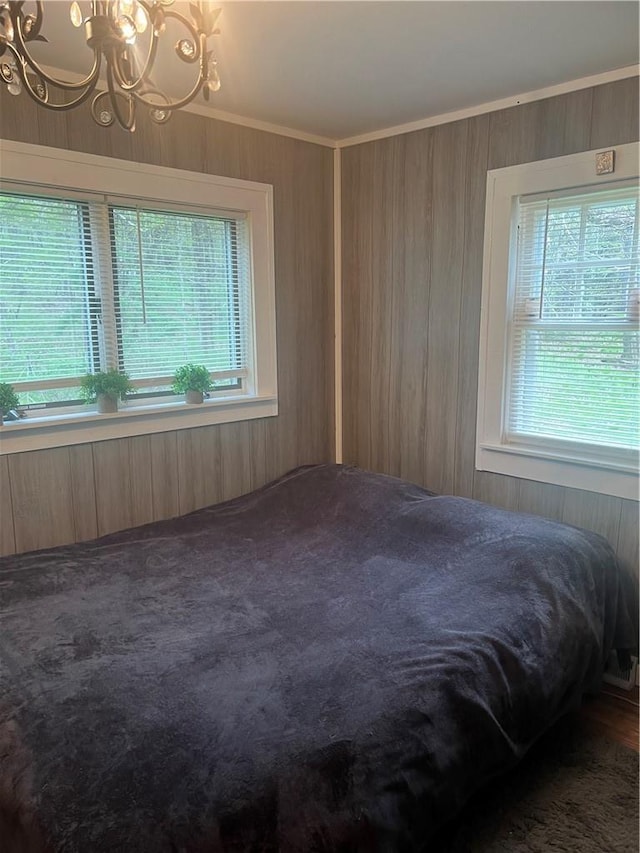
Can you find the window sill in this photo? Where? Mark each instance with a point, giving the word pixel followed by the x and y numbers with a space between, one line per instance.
pixel 533 463
pixel 37 433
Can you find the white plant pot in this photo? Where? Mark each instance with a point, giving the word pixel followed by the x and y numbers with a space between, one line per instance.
pixel 107 404
pixel 193 397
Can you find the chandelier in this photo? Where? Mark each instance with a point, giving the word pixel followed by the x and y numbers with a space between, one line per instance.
pixel 126 38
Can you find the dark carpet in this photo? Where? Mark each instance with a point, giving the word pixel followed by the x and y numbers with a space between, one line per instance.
pixel 575 792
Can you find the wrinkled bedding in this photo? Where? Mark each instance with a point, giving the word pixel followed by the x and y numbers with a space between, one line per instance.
pixel 334 662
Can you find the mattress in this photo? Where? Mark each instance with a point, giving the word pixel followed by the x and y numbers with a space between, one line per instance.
pixel 336 661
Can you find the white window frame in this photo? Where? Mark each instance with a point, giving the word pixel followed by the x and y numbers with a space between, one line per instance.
pixel 58 170
pixel 535 460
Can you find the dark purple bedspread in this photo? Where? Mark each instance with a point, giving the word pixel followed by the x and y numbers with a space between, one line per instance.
pixel 334 662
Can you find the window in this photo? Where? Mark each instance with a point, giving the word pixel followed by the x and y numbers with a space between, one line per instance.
pixel 559 394
pixel 177 270
pixel 109 285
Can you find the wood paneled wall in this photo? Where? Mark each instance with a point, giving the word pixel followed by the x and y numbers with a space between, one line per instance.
pixel 413 230
pixel 58 496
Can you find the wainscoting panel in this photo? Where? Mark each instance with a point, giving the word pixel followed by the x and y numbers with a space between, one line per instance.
pixel 59 496
pixel 83 492
pixel 41 516
pixel 413 231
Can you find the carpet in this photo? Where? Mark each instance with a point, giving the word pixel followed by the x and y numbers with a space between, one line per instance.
pixel 574 792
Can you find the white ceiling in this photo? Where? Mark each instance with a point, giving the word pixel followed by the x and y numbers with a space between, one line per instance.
pixel 339 69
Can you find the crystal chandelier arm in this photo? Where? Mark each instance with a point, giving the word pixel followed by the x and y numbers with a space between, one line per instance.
pixel 21 51
pixel 21 67
pixel 141 81
pixel 202 77
pixel 127 123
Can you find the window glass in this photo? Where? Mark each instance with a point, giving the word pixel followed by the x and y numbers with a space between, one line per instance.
pixel 181 287
pixel 575 370
pixel 166 288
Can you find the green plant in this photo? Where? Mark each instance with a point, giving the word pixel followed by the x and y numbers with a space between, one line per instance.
pixel 191 377
pixel 109 382
pixel 8 397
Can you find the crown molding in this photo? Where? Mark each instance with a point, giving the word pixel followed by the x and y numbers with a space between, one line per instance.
pixel 397 130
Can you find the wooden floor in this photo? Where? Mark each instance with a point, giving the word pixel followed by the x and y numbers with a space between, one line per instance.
pixel 614 713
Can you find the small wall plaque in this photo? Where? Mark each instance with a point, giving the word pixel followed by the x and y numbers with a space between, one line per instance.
pixel 604 163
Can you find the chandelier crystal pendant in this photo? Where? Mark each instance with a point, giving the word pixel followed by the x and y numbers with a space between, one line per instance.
pixel 126 37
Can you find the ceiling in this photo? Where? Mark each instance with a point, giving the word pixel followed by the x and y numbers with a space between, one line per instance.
pixel 338 69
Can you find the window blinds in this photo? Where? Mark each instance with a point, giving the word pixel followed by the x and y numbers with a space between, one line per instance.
pixel 574 344
pixel 181 292
pixel 89 285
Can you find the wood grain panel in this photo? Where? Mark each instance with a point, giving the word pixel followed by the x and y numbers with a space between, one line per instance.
pixel 123 483
pixel 7 538
pixel 41 490
pixel 397 224
pixel 235 446
pixel 199 468
pixel 357 268
pixel 163 448
pixel 83 491
pixel 615 113
pixel 542 129
pixel 496 489
pixel 315 305
pixel 160 475
pixel 471 294
pixel 382 284
pixel 443 330
pixel 627 545
pixel 566 126
pixel 542 499
pixel 600 513
pixel 513 136
pixel 413 220
pixel 261 467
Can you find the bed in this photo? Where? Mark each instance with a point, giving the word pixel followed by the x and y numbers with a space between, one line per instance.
pixel 336 661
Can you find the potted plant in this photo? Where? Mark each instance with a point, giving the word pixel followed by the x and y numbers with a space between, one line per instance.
pixel 8 399
pixel 193 381
pixel 107 387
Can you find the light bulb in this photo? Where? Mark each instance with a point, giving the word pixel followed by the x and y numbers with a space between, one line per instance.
pixel 127 28
pixel 140 19
pixel 15 87
pixel 75 14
